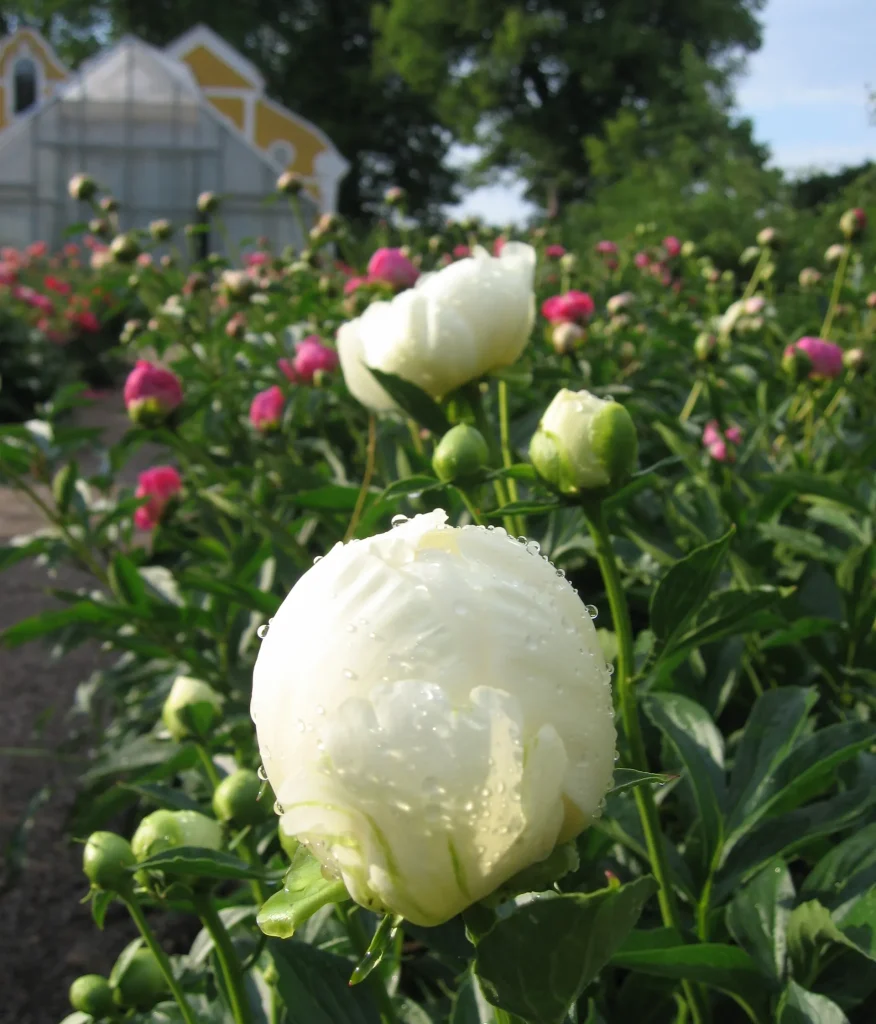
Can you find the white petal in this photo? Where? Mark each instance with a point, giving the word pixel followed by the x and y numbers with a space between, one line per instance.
pixel 359 381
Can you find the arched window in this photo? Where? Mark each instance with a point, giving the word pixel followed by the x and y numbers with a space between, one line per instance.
pixel 24 85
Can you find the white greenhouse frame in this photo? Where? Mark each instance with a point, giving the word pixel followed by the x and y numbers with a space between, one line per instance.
pixel 135 120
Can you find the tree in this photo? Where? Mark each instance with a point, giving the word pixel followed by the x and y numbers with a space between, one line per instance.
pixel 317 59
pixel 530 81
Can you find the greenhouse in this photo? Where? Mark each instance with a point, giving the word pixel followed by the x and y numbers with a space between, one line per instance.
pixel 136 120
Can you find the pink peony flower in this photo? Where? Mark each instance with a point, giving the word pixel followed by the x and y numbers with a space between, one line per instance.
pixel 572 307
pixel 257 259
pixel 715 442
pixel 671 246
pixel 85 320
pixel 826 357
pixel 55 284
pixel 392 267
pixel 144 260
pixel 36 250
pixel 606 248
pixel 642 260
pixel 266 409
pixel 554 252
pixel 499 245
pixel 460 252
pixel 151 393
pixel 311 355
pixel 159 484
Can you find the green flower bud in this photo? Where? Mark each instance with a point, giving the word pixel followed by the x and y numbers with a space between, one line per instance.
pixel 584 443
pixel 192 708
pixel 856 360
pixel 749 254
pixel 92 994
pixel 236 799
pixel 139 982
pixel 688 249
pixel 166 830
pixel 208 202
pixel 461 455
pixel 82 187
pixel 106 860
pixel 124 248
pixel 853 222
pixel 796 363
pixel 705 346
pixel 769 238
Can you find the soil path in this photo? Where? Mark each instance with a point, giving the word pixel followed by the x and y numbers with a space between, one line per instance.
pixel 47 938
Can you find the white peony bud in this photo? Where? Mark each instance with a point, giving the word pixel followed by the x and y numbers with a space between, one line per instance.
pixel 434 714
pixel 584 443
pixel 452 327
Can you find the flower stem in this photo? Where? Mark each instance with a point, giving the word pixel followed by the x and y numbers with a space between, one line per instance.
pixel 370 456
pixel 638 757
pixel 228 962
pixel 691 402
pixel 470 505
pixel 839 277
pixel 209 767
pixel 505 443
pixel 139 918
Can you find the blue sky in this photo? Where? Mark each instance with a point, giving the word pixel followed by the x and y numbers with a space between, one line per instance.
pixel 805 90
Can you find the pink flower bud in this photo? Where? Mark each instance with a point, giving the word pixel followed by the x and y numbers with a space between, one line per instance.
pixel 671 246
pixel 572 307
pixel 286 367
pixel 499 245
pixel 606 248
pixel 236 325
pixel 151 393
pixel 642 260
pixel 554 252
pixel 392 267
pixel 824 357
pixel 312 356
pixel 871 300
pixel 159 484
pixel 715 442
pixel 460 252
pixel 354 284
pixel 266 409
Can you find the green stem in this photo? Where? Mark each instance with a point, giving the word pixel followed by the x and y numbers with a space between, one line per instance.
pixel 228 962
pixel 207 763
pixel 251 855
pixel 623 682
pixel 839 277
pixel 139 918
pixel 691 402
pixel 483 425
pixel 755 277
pixel 470 505
pixel 359 941
pixel 370 456
pixel 505 444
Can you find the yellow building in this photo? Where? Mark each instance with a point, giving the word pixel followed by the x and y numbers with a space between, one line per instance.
pixel 30 74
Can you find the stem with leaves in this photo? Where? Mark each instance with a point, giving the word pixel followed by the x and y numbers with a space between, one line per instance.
pixel 229 964
pixel 139 918
pixel 623 682
pixel 838 280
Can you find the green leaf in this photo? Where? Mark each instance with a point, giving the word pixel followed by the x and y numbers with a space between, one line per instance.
pixel 165 796
pixel 726 968
pixel 195 860
pixel 304 891
pixel 823 486
pixel 683 590
pixel 699 745
pixel 414 401
pixel 758 917
pixel 470 1005
pixel 800 542
pixel 411 485
pixel 801 1007
pixel 775 724
pixel 332 497
pixel 845 872
pixel 536 961
pixel 80 614
pixel 126 582
pixel 313 987
pixel 64 486
pixel 786 833
pixel 807 770
pixel 240 593
pixel 629 778
pixel 100 905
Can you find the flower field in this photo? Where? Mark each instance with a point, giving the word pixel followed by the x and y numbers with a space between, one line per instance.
pixel 494 639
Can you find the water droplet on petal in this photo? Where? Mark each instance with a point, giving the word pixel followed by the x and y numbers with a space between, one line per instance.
pixel 278 808
pixel 262 773
pixel 317 559
pixel 398 520
pixel 262 631
pixel 591 610
pixel 349 674
pixel 320 710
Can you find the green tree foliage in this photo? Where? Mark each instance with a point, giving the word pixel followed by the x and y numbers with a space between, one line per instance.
pixel 530 82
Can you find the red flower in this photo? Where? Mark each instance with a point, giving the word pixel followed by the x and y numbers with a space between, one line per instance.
pixel 266 409
pixel 151 393
pixel 572 307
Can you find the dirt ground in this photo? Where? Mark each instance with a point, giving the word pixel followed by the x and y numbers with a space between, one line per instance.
pixel 47 938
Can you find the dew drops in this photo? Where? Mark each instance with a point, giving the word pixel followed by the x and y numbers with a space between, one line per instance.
pixel 591 610
pixel 262 631
pixel 562 573
pixel 349 674
pixel 468 806
pixel 262 773
pixel 318 558
pixel 521 540
pixel 533 547
pixel 320 710
pixel 278 808
pixel 398 520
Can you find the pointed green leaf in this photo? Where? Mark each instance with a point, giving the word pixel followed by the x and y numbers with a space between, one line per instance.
pixel 304 891
pixel 419 405
pixel 758 917
pixel 801 1007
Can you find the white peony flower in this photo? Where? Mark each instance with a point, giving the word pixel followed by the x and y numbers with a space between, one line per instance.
pixel 434 714
pixel 453 326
